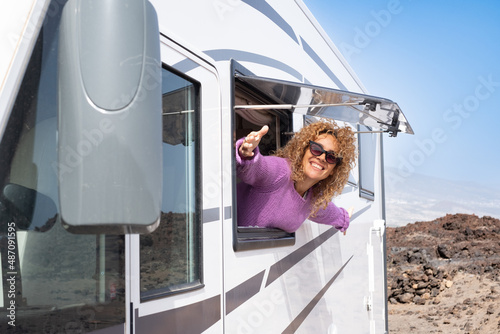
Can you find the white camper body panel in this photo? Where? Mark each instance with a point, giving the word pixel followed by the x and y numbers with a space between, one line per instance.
pixel 324 282
pixel 19 26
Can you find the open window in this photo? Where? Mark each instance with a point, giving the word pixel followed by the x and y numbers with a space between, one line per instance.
pixel 259 101
pixel 280 131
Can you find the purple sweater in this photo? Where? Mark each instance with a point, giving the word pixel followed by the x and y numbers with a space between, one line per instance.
pixel 267 196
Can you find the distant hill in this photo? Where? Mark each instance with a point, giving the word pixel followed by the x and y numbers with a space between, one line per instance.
pixel 423 198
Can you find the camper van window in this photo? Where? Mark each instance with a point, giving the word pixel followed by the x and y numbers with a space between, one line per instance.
pixel 170 256
pixel 52 281
pixel 280 126
pixel 322 142
pixel 367 156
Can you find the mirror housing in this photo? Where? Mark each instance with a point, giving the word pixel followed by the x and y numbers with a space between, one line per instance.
pixel 109 117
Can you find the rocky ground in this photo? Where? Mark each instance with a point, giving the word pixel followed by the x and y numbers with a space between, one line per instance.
pixel 444 276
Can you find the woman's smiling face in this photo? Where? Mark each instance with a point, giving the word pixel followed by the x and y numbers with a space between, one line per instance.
pixel 315 167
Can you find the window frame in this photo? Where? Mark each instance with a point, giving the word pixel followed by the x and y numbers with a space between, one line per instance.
pixel 252 238
pixel 309 100
pixel 198 219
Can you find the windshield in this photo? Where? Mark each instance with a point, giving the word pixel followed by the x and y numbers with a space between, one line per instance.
pixel 52 281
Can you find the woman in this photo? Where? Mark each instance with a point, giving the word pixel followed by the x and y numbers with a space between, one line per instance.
pixel 299 181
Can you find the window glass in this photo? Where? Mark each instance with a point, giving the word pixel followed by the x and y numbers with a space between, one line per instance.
pixel 170 256
pixel 367 156
pixel 52 281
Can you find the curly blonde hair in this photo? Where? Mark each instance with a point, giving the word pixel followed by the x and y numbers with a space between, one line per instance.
pixel 332 186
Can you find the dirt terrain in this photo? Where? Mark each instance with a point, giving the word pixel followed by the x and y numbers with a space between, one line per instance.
pixel 444 276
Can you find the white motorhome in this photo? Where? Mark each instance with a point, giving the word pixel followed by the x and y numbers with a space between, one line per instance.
pixel 117 177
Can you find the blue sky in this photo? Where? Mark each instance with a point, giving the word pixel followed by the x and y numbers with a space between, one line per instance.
pixel 440 61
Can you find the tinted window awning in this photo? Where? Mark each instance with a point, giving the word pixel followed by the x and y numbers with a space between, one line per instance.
pixel 374 112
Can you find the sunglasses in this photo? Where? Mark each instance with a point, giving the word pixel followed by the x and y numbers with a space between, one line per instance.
pixel 330 156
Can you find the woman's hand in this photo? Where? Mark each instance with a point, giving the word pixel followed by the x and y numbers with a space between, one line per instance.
pixel 350 211
pixel 251 142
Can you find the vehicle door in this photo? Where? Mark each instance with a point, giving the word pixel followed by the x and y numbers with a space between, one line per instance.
pixel 176 271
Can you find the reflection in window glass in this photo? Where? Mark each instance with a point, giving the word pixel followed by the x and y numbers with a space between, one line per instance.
pixel 170 256
pixel 56 281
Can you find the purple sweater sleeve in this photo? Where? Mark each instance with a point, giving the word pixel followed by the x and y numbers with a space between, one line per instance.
pixel 260 171
pixel 334 216
pixel 268 173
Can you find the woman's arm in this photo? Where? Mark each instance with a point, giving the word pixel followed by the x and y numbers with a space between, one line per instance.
pixel 256 169
pixel 334 216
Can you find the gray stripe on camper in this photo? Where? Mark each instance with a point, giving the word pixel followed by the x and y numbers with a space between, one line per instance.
pixel 356 214
pixel 280 267
pixel 321 64
pixel 243 292
pixel 193 318
pixel 211 215
pixel 187 65
pixel 273 15
pixel 295 324
pixel 228 212
pixel 227 54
